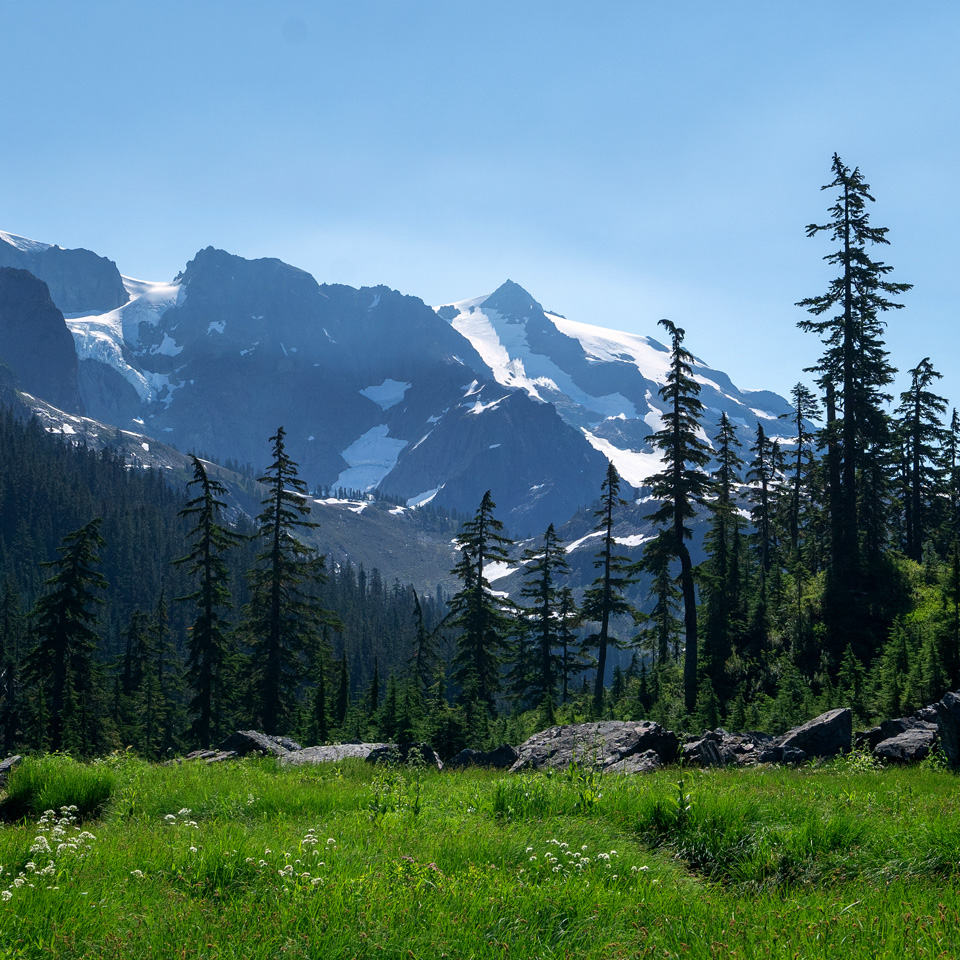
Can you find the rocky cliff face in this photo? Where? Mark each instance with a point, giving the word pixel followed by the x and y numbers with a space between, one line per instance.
pixel 377 390
pixel 35 342
pixel 79 281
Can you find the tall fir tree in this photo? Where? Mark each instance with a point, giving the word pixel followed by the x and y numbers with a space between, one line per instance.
pixel 605 598
pixel 854 374
pixel 922 436
pixel 681 485
pixel 209 636
pixel 720 574
pixel 545 565
pixel 483 620
pixel 284 613
pixel 65 628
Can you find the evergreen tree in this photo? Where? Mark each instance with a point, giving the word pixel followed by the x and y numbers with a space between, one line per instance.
pixel 571 661
pixel 922 435
pixel 65 627
pixel 720 574
pixel 283 614
pixel 12 638
pixel 209 635
pixel 661 627
pixel 681 485
pixel 544 566
pixel 482 618
pixel 425 660
pixel 854 370
pixel 605 598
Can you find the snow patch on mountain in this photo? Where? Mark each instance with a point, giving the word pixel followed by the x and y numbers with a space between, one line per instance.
pixel 502 344
pixel 104 337
pixel 387 394
pixel 634 466
pixel 22 243
pixel 370 458
pixel 421 499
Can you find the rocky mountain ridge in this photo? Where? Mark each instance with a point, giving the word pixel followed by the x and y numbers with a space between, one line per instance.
pixel 377 391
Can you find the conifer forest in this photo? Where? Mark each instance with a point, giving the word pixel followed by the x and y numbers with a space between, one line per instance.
pixel 782 579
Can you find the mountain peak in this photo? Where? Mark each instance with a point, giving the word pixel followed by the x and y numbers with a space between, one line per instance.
pixel 512 302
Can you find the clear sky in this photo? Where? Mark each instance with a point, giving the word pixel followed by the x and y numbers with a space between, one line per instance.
pixel 624 160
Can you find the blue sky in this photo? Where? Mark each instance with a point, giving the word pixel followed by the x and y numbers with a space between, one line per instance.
pixel 623 161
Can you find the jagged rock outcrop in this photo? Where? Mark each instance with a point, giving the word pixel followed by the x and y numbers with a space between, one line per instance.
pixel 79 280
pixel 608 745
pixel 35 341
pixel 502 758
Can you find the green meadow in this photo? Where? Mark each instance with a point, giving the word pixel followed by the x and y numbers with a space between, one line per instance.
pixel 248 859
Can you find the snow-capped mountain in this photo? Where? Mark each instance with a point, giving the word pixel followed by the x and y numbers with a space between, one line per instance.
pixel 375 389
pixel 602 382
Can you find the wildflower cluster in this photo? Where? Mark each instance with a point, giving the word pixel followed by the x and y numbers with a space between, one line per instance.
pixel 58 838
pixel 299 873
pixel 181 819
pixel 560 863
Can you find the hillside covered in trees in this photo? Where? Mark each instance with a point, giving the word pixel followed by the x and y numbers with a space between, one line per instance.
pixel 133 614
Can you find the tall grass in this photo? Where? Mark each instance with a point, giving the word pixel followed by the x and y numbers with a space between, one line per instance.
pixel 252 860
pixel 56 780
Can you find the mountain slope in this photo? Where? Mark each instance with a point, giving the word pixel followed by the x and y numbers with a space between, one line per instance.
pixel 378 391
pixel 602 382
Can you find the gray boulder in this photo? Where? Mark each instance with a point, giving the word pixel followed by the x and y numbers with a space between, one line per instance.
pixel 948 726
pixel 333 753
pixel 890 729
pixel 502 758
pixel 826 736
pixel 244 742
pixel 910 745
pixel 604 745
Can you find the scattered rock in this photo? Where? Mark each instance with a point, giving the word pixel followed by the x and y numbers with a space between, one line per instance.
pixel 503 758
pixel 604 745
pixel 408 753
pixel 890 729
pixel 909 746
pixel 777 753
pixel 825 736
pixel 333 753
pixel 948 725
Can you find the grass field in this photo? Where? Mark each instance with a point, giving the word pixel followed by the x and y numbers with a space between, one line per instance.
pixel 250 860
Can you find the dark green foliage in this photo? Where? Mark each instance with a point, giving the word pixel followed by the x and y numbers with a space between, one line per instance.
pixel 605 598
pixel 921 437
pixel 545 566
pixel 284 613
pixel 209 635
pixel 854 374
pixel 482 619
pixel 681 485
pixel 62 664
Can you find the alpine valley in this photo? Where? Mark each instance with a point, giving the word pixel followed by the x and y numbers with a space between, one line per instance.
pixel 389 405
